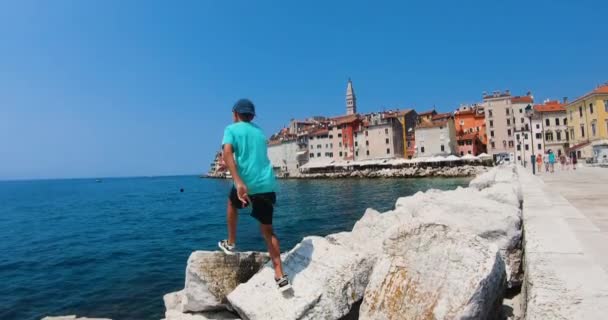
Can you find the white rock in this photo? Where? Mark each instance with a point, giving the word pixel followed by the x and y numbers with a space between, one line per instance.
pixel 432 272
pixel 210 276
pixel 469 210
pixel 327 280
pixel 484 180
pixel 210 315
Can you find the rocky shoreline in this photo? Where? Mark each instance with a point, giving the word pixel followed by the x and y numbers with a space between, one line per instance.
pixel 409 172
pixel 438 254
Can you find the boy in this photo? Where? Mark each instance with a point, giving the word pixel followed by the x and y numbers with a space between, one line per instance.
pixel 246 157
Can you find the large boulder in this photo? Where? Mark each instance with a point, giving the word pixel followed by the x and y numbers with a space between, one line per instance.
pixel 207 315
pixel 430 271
pixel 327 279
pixel 469 210
pixel 210 276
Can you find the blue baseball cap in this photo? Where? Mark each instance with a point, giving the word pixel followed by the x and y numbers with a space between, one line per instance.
pixel 244 106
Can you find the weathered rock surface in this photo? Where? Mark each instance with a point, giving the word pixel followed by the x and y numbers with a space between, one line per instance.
pixel 210 276
pixel 429 271
pixel 208 315
pixel 72 317
pixel 493 214
pixel 327 280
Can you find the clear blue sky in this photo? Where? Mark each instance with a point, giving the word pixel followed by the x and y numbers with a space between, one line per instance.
pixel 124 88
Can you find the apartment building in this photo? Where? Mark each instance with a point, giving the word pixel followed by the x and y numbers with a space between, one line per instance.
pixel 470 126
pixel 554 124
pixel 588 125
pixel 380 137
pixel 436 137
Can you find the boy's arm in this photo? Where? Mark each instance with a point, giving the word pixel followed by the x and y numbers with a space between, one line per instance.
pixel 241 188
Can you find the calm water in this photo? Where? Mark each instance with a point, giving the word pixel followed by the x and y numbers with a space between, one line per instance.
pixel 114 248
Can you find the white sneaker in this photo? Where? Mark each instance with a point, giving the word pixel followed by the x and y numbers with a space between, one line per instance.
pixel 283 283
pixel 229 249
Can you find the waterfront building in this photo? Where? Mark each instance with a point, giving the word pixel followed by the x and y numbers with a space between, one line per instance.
pixel 408 120
pixel 426 116
pixel 470 130
pixel 380 137
pixel 436 137
pixel 554 125
pixel 342 131
pixel 588 124
pixel 504 116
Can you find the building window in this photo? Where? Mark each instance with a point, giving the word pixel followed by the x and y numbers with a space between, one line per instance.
pixel 386 131
pixel 567 135
pixel 508 122
pixel 491 123
pixel 510 143
pixel 522 120
pixel 319 146
pixel 565 121
pixel 527 147
pixel 356 143
pixel 339 135
pixel 526 136
pixel 340 153
pixel 461 153
pixel 421 149
pixel 518 158
pixel 356 153
pixel 507 111
pixel 557 121
pixel 493 145
pixel 312 155
pixel 367 143
pixel 558 135
pixel 492 133
pixel 605 105
pixel 388 151
pixel 386 141
pixel 591 108
pixel 331 136
pixel 547 123
pixel 527 127
pixel 355 134
pixel 367 152
pixel 517 136
pixel 509 132
pixel 521 110
pixel 326 145
pixel 549 136
pixel 489 113
pixel 580 111
pixel 571 134
pixel 319 155
pixel 366 133
pixel 537 126
pixel 593 129
pixel 519 147
pixel 582 131
pixel 340 144
pixel 442 148
pixel 331 145
pixel 539 146
pixel 570 114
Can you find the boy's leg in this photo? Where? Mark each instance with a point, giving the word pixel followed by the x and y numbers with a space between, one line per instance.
pixel 232 218
pixel 274 249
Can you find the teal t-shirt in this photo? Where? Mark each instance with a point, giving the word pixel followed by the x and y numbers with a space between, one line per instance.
pixel 251 155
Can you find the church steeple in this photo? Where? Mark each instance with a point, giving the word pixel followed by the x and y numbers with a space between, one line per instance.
pixel 351 99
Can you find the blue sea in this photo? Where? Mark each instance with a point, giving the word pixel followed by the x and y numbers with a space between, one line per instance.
pixel 114 248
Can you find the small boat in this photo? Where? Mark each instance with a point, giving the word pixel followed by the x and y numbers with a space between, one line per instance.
pixel 98 180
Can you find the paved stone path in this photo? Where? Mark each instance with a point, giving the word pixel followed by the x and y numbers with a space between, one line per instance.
pixel 587 190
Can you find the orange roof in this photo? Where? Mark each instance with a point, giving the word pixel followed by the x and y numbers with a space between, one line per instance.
pixel 442 116
pixel 524 99
pixel 468 136
pixel 434 124
pixel 345 119
pixel 319 132
pixel 427 113
pixel 550 106
pixel 603 89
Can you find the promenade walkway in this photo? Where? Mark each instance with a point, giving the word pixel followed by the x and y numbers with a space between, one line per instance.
pixel 566 244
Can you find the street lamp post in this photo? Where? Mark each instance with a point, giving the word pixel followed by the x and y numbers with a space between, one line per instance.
pixel 530 114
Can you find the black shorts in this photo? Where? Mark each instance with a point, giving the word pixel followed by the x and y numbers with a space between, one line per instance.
pixel 262 205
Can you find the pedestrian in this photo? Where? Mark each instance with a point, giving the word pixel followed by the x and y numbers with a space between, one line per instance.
pixel 246 156
pixel 539 162
pixel 552 161
pixel 546 161
pixel 574 161
pixel 562 162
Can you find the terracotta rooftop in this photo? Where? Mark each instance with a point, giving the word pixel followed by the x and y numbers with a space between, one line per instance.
pixel 442 116
pixel 318 132
pixel 550 106
pixel 523 99
pixel 468 136
pixel 426 113
pixel 433 124
pixel 603 89
pixel 345 119
pixel 398 113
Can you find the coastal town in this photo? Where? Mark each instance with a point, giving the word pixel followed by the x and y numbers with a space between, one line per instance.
pixel 501 127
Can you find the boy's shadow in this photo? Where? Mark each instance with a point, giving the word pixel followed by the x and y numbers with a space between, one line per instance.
pixel 297 262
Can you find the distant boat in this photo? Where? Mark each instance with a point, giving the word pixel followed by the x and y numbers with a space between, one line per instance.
pixel 98 180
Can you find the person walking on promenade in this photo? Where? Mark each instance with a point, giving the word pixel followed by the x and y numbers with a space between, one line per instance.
pixel 574 161
pixel 552 161
pixel 539 162
pixel 246 157
pixel 546 161
pixel 562 162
